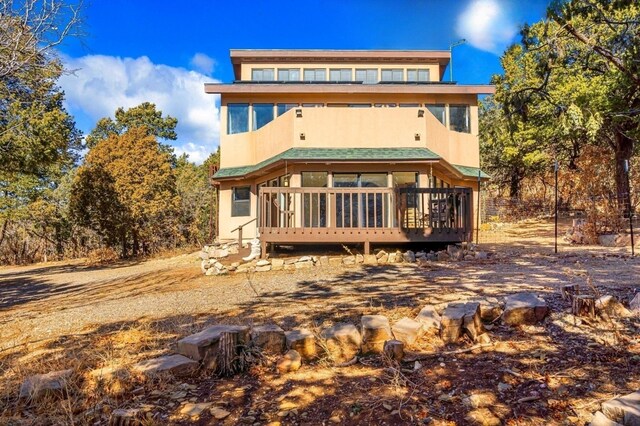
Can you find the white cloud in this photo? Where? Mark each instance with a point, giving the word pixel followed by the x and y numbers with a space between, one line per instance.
pixel 196 153
pixel 101 84
pixel 487 25
pixel 203 63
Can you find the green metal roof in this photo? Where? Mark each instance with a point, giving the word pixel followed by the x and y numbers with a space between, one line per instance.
pixel 335 154
pixel 468 171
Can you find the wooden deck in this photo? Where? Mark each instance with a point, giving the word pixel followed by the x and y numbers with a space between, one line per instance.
pixel 364 215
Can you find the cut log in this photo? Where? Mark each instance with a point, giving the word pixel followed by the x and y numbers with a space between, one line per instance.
pixel 394 350
pixel 569 291
pixel 227 362
pixel 584 306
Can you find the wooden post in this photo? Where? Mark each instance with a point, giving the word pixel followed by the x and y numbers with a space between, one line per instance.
pixel 569 291
pixel 367 247
pixel 584 306
pixel 240 237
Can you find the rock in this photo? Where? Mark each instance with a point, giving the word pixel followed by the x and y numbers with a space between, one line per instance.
pixel 194 410
pixel 219 413
pixel 263 262
pixel 394 350
pixel 482 417
pixel 429 318
pixel 607 240
pixel 370 259
pixel 490 308
pixel 204 266
pixel 459 318
pixel 349 260
pixel 625 409
pixel 305 259
pixel 324 260
pixel 407 330
pixel 442 256
pixel 342 341
pixel 375 331
pixel 40 385
pixel 600 419
pixel 392 258
pixel 383 259
pixel 480 400
pixel 610 305
pixel 409 256
pixel 303 341
pixel 270 338
pixel 381 254
pixel 524 308
pixel 178 365
pixel 335 261
pixel 304 265
pixel 291 361
pixel 634 305
pixel 203 346
pixel 481 255
pixel 204 255
pixel 219 253
pixel 503 387
pixel 483 338
pixel 265 268
pixel 277 264
pixel 455 252
pixel 359 258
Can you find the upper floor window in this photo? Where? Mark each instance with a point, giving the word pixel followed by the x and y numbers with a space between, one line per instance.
pixel 439 111
pixel 417 75
pixel 288 74
pixel 262 114
pixel 340 74
pixel 237 118
pixel 315 74
pixel 313 105
pixel 393 75
pixel 262 74
pixel 367 76
pixel 411 105
pixel 387 105
pixel 459 118
pixel 282 108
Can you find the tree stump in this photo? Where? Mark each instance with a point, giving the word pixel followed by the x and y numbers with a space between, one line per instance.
pixel 584 306
pixel 227 363
pixel 394 350
pixel 569 291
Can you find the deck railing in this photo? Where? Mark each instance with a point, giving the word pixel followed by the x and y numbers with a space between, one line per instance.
pixel 405 209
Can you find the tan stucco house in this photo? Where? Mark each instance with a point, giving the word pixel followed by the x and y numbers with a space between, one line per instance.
pixel 344 146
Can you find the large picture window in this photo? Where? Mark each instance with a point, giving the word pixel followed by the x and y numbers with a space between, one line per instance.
pixel 315 74
pixel 417 75
pixel 439 111
pixel 459 118
pixel 367 76
pixel 341 74
pixel 240 201
pixel 288 74
pixel 262 114
pixel 237 118
pixel 393 75
pixel 262 74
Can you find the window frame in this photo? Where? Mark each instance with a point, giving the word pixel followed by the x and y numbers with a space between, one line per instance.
pixel 288 71
pixel 366 79
pixel 341 71
pixel 467 118
pixel 237 104
pixel 262 70
pixel 394 72
pixel 239 210
pixel 322 71
pixel 418 71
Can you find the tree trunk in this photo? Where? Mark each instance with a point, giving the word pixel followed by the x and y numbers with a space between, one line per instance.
pixel 136 243
pixel 514 186
pixel 3 232
pixel 623 151
pixel 123 238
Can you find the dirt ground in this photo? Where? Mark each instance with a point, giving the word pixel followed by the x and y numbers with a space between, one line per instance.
pixel 70 315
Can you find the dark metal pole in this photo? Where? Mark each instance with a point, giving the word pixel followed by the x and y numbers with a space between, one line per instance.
pixel 478 214
pixel 626 169
pixel 555 171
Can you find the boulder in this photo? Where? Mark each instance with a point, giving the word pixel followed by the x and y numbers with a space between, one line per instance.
pixel 370 259
pixel 40 385
pixel 342 342
pixel 203 346
pixel 524 308
pixel 334 261
pixel 277 264
pixel 625 409
pixel 381 254
pixel 204 255
pixel 263 262
pixel 359 258
pixel 429 318
pixel 219 253
pixel 323 260
pixel 394 350
pixel 177 365
pixel 270 338
pixel 383 259
pixel 600 419
pixel 407 330
pixel 291 361
pixel 304 265
pixel 349 260
pixel 392 258
pixel 409 256
pixel 609 304
pixel 442 256
pixel 490 308
pixel 303 341
pixel 459 318
pixel 375 331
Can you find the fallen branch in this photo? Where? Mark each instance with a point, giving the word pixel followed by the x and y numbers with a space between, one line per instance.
pixel 421 356
pixel 528 399
pixel 352 361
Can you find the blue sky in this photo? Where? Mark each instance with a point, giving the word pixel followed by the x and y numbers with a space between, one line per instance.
pixel 164 51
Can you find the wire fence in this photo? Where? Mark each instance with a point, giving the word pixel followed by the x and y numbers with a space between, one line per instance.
pixel 583 223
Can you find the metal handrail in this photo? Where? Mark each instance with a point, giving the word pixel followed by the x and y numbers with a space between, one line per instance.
pixel 239 229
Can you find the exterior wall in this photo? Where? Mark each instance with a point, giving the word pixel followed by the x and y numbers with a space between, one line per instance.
pixel 247 67
pixel 351 127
